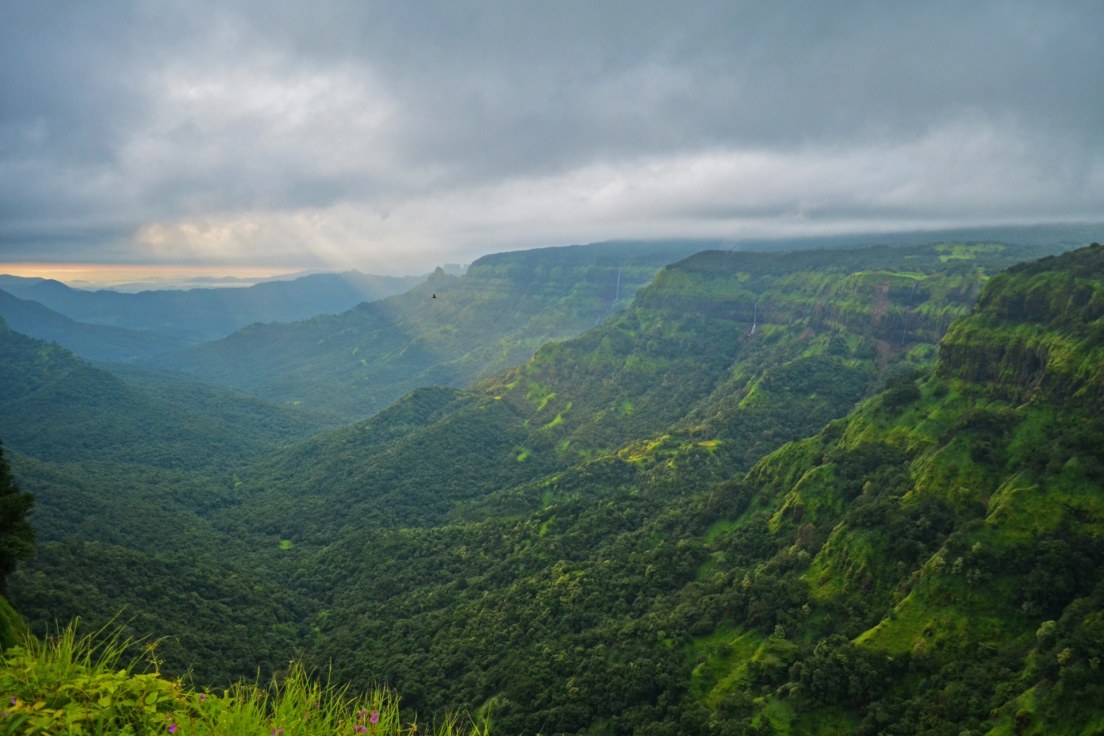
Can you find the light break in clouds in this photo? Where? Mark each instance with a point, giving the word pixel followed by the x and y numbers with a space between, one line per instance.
pixel 393 136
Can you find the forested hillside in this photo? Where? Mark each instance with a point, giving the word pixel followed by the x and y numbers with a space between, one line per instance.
pixel 932 563
pixel 692 366
pixel 831 491
pixel 681 580
pixel 58 408
pixel 126 478
pixel 93 342
pixel 449 330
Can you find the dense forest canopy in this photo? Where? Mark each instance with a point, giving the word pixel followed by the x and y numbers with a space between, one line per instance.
pixel 850 490
pixel 17 536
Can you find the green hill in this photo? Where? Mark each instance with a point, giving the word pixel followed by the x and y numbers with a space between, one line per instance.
pixel 722 338
pixel 594 542
pixel 58 408
pixel 125 478
pixel 447 331
pixel 92 342
pixel 652 591
pixel 693 364
pixel 941 546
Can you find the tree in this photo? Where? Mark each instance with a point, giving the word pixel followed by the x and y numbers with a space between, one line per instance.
pixel 17 536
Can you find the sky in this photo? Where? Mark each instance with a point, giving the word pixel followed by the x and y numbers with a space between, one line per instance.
pixel 395 136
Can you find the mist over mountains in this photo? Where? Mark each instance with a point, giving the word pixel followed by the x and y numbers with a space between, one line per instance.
pixel 148 323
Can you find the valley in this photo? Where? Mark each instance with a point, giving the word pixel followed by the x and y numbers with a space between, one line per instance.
pixel 609 489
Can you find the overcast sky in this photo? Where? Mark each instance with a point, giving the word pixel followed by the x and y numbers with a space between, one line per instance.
pixel 394 136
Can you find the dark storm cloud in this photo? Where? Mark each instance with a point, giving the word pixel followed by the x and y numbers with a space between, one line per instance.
pixel 557 84
pixel 343 129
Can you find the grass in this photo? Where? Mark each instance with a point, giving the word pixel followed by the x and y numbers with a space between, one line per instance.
pixel 539 395
pixel 558 419
pixel 964 252
pixel 94 684
pixel 721 662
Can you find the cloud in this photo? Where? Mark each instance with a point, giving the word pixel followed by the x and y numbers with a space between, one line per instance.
pixel 964 173
pixel 381 134
pixel 262 136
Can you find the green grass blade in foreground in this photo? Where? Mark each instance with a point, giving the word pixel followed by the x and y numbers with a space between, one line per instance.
pixel 77 684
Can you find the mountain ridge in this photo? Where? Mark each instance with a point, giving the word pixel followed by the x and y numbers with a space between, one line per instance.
pixel 193 315
pixel 448 330
pixel 101 343
pixel 926 562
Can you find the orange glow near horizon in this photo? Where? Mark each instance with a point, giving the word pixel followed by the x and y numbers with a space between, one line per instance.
pixel 110 274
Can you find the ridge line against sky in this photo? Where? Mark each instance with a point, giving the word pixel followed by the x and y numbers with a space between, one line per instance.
pixel 390 137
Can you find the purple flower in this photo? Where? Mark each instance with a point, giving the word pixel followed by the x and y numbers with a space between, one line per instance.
pixel 202 697
pixel 277 732
pixel 172 728
pixel 375 717
pixel 360 729
pixel 361 713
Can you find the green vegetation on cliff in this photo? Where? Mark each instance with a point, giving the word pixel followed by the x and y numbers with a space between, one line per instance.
pixel 943 542
pixel 681 522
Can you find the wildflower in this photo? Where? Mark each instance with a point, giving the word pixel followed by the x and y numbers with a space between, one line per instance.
pixel 277 732
pixel 172 728
pixel 375 717
pixel 360 729
pixel 202 697
pixel 361 713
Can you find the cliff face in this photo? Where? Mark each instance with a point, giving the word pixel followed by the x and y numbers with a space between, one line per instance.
pixel 899 295
pixel 509 305
pixel 730 353
pixel 950 530
pixel 1037 333
pixel 720 340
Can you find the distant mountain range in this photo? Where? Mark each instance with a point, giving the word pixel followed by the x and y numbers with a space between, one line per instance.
pixel 101 343
pixel 191 315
